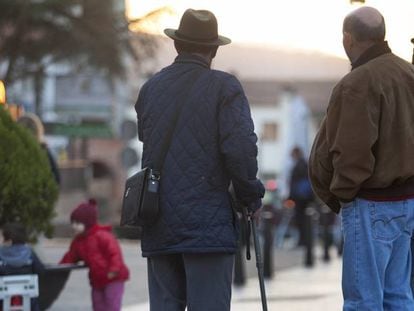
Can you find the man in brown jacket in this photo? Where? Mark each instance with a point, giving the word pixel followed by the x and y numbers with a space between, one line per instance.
pixel 362 164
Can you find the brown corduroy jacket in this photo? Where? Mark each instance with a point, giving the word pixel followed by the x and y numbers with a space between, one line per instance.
pixel 366 140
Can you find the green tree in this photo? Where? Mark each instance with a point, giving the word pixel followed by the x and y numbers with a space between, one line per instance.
pixel 87 33
pixel 28 190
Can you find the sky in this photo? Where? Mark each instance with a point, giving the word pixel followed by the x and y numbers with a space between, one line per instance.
pixel 312 25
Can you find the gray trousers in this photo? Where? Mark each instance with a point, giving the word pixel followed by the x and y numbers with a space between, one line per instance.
pixel 196 281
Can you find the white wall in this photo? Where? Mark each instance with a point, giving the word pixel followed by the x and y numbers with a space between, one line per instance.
pixel 295 128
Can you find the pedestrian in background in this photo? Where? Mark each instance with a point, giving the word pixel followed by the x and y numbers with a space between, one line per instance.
pixel 190 247
pixel 362 165
pixel 16 257
pixel 300 191
pixel 99 250
pixel 35 126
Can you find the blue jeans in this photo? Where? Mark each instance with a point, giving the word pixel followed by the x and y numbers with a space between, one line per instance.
pixel 202 282
pixel 377 255
pixel 412 269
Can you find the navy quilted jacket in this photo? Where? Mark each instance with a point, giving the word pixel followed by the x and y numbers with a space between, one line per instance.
pixel 213 144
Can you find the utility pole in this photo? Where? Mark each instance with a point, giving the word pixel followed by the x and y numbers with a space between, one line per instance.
pixel 412 61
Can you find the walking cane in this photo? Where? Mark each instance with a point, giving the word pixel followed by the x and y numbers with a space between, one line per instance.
pixel 251 226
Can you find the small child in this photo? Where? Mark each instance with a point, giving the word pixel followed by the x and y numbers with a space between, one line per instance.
pixel 16 257
pixel 99 250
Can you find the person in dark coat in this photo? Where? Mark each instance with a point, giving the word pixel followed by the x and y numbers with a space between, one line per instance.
pixel 300 191
pixel 190 247
pixel 16 257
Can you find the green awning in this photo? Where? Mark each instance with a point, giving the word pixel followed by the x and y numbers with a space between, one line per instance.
pixel 83 130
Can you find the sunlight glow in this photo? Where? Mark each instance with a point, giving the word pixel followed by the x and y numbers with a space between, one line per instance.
pixel 314 25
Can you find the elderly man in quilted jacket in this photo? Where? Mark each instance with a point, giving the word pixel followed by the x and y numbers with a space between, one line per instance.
pixel 362 163
pixel 190 248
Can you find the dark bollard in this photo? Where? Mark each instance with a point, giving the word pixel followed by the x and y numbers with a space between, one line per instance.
pixel 267 218
pixel 327 243
pixel 309 237
pixel 341 247
pixel 327 235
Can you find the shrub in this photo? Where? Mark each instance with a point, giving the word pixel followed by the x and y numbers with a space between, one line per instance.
pixel 28 190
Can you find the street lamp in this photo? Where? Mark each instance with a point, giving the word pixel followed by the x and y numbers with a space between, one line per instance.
pixel 14 110
pixel 2 93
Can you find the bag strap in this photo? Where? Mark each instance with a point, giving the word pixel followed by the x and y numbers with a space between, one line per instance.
pixel 185 98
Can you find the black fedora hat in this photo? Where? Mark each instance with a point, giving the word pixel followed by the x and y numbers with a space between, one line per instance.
pixel 198 27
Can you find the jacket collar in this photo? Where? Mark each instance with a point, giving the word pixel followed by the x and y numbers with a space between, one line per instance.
pixel 374 51
pixel 191 58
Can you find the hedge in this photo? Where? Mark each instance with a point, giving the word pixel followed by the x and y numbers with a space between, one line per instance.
pixel 28 190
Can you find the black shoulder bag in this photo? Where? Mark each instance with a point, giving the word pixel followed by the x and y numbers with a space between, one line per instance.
pixel 140 204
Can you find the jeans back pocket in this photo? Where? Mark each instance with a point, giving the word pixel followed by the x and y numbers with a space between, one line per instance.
pixel 389 219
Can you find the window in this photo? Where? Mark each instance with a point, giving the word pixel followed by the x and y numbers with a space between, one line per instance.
pixel 269 132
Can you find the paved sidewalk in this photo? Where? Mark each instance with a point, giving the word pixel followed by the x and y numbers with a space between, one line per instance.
pixel 76 294
pixel 297 289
